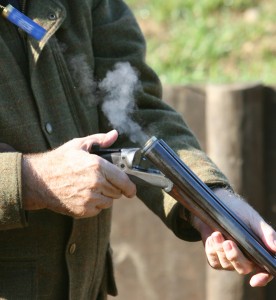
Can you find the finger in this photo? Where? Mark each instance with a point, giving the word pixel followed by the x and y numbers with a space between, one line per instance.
pixel 261 279
pixel 119 179
pixel 99 202
pixel 218 241
pixel 93 205
pixel 211 254
pixel 104 203
pixel 234 255
pixel 92 213
pixel 109 190
pixel 109 180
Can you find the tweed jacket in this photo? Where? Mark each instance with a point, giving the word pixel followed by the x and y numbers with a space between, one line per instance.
pixel 44 255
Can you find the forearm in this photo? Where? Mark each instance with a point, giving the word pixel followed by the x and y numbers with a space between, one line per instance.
pixel 232 201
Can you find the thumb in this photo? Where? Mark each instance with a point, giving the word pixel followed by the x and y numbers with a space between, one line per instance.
pixel 103 139
pixel 85 143
pixel 106 139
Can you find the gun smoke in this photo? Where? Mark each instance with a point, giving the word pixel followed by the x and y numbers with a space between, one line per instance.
pixel 119 87
pixel 83 79
pixel 115 92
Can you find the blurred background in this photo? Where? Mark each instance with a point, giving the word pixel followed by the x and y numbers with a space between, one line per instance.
pixel 209 40
pixel 216 60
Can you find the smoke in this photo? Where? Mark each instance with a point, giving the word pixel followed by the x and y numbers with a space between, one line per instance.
pixel 119 87
pixel 83 78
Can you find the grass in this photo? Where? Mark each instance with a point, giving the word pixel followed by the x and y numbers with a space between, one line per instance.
pixel 218 41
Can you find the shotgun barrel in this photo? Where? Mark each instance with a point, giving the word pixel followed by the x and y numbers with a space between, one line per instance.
pixel 197 197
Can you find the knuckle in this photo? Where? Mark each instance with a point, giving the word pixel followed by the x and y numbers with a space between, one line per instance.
pixel 246 269
pixel 213 260
pixel 232 256
pixel 209 249
pixel 227 266
pixel 95 186
pixel 105 203
pixel 242 271
pixel 214 264
pixel 96 166
pixel 86 197
pixel 80 212
pixel 74 142
pixel 81 206
pixel 210 253
pixel 108 203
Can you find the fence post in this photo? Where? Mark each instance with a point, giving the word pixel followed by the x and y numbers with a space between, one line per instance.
pixel 270 166
pixel 235 143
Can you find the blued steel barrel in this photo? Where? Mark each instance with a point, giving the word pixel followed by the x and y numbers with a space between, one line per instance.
pixel 196 196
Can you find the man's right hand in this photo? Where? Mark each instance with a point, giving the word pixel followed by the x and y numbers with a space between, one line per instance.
pixel 71 181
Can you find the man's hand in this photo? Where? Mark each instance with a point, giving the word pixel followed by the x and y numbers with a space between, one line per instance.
pixel 224 254
pixel 71 181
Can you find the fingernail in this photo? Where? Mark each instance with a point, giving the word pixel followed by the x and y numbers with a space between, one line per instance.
pixel 218 238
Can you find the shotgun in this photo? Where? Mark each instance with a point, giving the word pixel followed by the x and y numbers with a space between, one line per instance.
pixel 156 164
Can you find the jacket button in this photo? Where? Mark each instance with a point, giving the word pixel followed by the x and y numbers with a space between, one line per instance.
pixel 72 248
pixel 49 128
pixel 52 16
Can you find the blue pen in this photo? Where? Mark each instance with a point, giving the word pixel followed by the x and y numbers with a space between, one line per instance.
pixel 23 22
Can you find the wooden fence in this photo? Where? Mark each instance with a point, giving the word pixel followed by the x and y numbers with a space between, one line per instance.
pixel 236 126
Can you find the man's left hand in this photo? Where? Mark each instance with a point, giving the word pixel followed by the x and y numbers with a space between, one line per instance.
pixel 224 254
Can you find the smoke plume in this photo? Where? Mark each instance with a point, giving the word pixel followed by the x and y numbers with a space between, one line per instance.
pixel 119 87
pixel 116 90
pixel 83 78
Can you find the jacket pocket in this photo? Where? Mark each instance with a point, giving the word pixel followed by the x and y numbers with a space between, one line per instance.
pixel 17 280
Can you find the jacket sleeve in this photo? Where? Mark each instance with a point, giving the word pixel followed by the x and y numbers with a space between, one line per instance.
pixel 117 38
pixel 11 213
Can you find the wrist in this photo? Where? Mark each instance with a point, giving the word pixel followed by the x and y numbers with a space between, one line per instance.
pixel 31 184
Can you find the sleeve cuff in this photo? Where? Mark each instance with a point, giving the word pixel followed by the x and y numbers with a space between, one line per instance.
pixel 182 228
pixel 12 214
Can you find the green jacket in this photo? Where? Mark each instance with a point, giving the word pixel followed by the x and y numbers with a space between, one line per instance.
pixel 44 255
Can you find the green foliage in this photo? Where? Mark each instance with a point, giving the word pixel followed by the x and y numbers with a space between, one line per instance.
pixel 209 40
